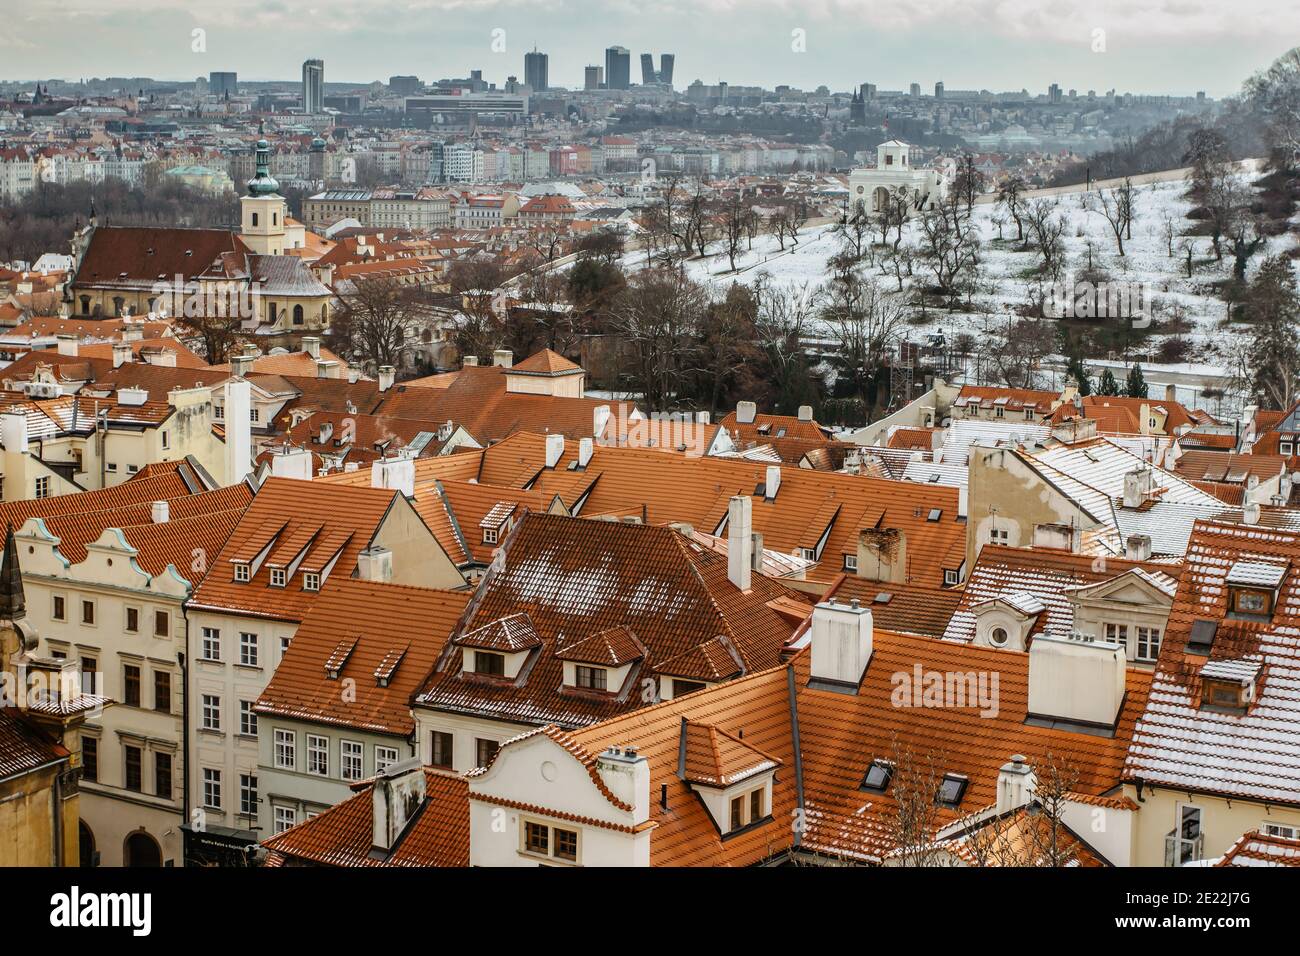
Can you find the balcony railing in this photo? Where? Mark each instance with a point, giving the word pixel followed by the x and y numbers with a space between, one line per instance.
pixel 1181 850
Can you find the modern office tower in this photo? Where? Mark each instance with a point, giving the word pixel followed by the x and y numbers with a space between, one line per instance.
pixel 223 84
pixel 915 89
pixel 313 86
pixel 938 90
pixel 535 70
pixel 405 85
pixel 593 77
pixel 618 68
pixel 666 68
pixel 648 74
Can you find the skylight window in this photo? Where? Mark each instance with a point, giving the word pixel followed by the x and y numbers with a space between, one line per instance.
pixel 878 776
pixel 951 790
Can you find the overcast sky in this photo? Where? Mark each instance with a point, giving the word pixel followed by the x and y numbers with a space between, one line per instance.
pixel 1156 46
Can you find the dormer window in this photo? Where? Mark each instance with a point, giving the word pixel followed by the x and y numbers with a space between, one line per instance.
pixel 1254 603
pixel 1222 693
pixel 878 776
pixel 242 573
pixel 489 535
pixel 1252 588
pixel 310 581
pixel 591 678
pixel 277 577
pixel 489 663
pixel 851 563
pixel 951 789
pixel 748 808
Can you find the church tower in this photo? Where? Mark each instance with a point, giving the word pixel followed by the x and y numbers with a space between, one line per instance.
pixel 263 210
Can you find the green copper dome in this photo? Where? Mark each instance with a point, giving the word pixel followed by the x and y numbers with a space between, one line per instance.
pixel 263 184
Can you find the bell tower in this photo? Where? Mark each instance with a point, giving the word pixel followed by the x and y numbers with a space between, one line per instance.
pixel 263 210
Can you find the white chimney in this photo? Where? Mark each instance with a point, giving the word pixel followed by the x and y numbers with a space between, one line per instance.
pixel 395 797
pixel 740 541
pixel 67 344
pixel 745 412
pixel 311 345
pixel 805 413
pixel 841 643
pixel 375 564
pixel 1137 547
pixel 241 365
pixel 239 439
pixel 386 376
pixel 289 461
pixel 627 776
pixel 554 449
pixel 121 354
pixel 13 432
pixel 584 452
pixel 130 395
pixel 395 473
pixel 1016 784
pixel 600 421
pixel 160 512
pixel 1250 513
pixel 772 482
pixel 503 358
pixel 1137 487
pixel 703 418
pixel 1076 679
pixel 469 361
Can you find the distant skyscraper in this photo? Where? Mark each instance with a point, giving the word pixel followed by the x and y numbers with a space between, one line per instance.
pixel 915 89
pixel 313 86
pixel 666 68
pixel 1054 93
pixel 405 85
pixel 938 90
pixel 593 77
pixel 618 68
pixel 223 84
pixel 648 74
pixel 535 70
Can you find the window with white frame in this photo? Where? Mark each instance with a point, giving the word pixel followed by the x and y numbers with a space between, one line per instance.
pixel 851 562
pixel 248 649
pixel 286 749
pixel 808 554
pixel 350 759
pixel 950 577
pixel 1148 643
pixel 211 646
pixel 211 712
pixel 247 719
pixel 285 817
pixel 277 577
pixel 999 536
pixel 542 839
pixel 385 757
pixel 310 581
pixel 242 573
pixel 489 535
pixel 212 788
pixel 1282 830
pixel 42 487
pixel 248 794
pixel 318 755
pixel 1117 634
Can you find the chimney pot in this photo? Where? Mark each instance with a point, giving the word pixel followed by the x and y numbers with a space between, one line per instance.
pixel 740 541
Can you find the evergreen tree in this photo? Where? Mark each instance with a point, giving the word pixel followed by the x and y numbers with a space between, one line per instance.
pixel 1136 386
pixel 1079 372
pixel 1107 385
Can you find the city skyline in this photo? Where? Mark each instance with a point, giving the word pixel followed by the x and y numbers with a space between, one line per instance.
pixel 1169 49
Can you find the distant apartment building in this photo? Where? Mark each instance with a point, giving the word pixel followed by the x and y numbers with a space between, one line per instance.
pixel 535 70
pixel 618 68
pixel 222 84
pixel 593 77
pixel 313 86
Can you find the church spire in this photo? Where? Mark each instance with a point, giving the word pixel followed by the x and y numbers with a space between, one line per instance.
pixel 13 604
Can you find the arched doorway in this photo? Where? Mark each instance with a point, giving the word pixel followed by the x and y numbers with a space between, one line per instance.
pixel 141 849
pixel 86 844
pixel 879 198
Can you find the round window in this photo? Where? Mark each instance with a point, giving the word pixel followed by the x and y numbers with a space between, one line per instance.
pixel 998 637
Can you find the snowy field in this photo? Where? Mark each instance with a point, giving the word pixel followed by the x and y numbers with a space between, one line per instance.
pixel 1009 274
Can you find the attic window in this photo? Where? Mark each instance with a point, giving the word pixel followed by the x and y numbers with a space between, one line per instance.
pixel 591 678
pixel 1229 694
pixel 310 581
pixel 878 776
pixel 934 515
pixel 1202 637
pixel 951 790
pixel 486 662
pixel 489 535
pixel 277 577
pixel 241 573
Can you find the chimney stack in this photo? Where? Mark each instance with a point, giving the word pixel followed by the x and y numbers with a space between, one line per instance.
pixel 554 449
pixel 395 473
pixel 239 438
pixel 469 361
pixel 841 645
pixel 121 354
pixel 1076 679
pixel 1137 547
pixel 740 541
pixel 585 448
pixel 241 365
pixel 503 358
pixel 745 412
pixel 311 345
pixel 395 797
pixel 805 413
pixel 1250 513
pixel 375 564
pixel 771 482
pixel 1137 487
pixel 160 512
pixel 67 344
pixel 1016 784
pixel 290 461
pixel 387 374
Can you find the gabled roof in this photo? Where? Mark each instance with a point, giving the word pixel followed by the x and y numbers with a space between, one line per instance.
pixel 128 256
pixel 24 746
pixel 575 579
pixel 1247 755
pixel 715 758
pixel 396 634
pixel 343 835
pixel 1262 849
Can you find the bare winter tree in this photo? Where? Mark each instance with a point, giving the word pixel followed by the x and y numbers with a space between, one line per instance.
pixel 477 280
pixel 1011 196
pixel 376 318
pixel 659 316
pixel 735 216
pixel 1046 230
pixel 949 246
pixel 915 785
pixel 864 320
pixel 784 313
pixel 1112 209
pixel 1032 836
